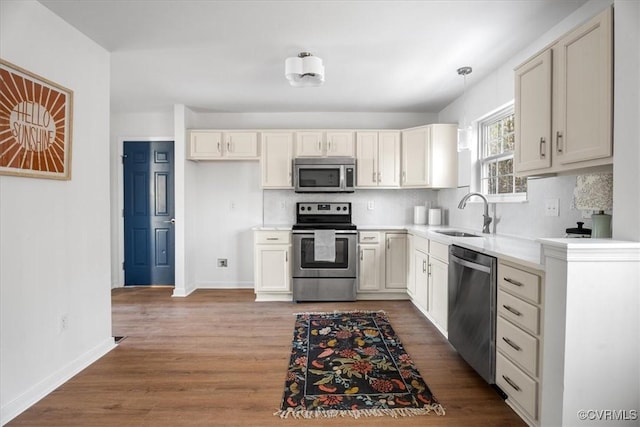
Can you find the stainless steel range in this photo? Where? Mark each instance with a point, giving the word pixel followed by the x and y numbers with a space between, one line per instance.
pixel 324 252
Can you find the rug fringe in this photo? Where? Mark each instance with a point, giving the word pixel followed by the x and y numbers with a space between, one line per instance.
pixel 322 313
pixel 435 408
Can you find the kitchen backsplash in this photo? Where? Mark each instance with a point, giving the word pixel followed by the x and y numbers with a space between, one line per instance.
pixel 390 207
pixel 525 219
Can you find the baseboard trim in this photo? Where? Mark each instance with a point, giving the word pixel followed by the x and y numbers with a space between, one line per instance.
pixel 224 285
pixel 35 393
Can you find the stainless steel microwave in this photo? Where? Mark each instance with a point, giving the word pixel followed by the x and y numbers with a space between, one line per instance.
pixel 324 174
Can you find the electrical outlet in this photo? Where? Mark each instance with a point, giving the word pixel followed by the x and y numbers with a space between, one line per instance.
pixel 64 322
pixel 222 263
pixel 370 205
pixel 551 207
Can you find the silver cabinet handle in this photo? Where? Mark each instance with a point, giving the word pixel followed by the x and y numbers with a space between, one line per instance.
pixel 374 177
pixel 404 176
pixel 513 282
pixel 368 238
pixel 424 266
pixel 379 177
pixel 171 221
pixel 361 255
pixel 286 257
pixel 219 148
pixel 512 310
pixel 388 243
pixel 429 270
pixel 319 145
pixel 229 146
pixel 512 344
pixel 272 238
pixel 328 145
pixel 542 148
pixel 559 141
pixel 511 383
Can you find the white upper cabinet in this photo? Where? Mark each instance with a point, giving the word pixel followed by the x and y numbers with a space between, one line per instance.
pixel 563 102
pixel 221 145
pixel 429 156
pixel 378 159
pixel 324 144
pixel 339 144
pixel 276 159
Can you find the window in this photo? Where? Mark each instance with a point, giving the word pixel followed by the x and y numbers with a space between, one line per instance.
pixel 496 145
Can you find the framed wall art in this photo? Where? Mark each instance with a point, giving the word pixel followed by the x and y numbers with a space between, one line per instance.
pixel 35 125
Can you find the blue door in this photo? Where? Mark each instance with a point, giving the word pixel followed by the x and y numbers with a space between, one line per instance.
pixel 148 213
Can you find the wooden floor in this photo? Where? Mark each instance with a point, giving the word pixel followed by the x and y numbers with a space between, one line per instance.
pixel 217 358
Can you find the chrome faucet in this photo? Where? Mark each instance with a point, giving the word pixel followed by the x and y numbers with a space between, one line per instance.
pixel 486 217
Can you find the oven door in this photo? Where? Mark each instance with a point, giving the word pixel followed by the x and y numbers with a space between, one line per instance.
pixel 305 265
pixel 319 178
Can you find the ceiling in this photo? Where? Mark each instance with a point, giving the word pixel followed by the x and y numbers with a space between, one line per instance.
pixel 379 56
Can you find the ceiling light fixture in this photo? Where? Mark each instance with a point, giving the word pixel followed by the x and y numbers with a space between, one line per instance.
pixel 464 131
pixel 305 70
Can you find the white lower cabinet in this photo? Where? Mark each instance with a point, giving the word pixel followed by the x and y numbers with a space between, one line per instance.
pixel 428 280
pixel 382 264
pixel 519 338
pixel 272 265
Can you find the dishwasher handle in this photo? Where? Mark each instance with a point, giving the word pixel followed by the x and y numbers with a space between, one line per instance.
pixel 469 264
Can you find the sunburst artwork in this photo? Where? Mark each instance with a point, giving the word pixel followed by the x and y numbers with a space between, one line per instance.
pixel 35 125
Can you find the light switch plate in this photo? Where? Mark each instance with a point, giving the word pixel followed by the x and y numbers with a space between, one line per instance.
pixel 370 205
pixel 551 207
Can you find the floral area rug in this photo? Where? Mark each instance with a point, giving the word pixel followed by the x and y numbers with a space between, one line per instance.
pixel 352 364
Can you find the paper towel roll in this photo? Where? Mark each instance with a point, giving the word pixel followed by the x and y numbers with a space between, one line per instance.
pixel 435 216
pixel 420 215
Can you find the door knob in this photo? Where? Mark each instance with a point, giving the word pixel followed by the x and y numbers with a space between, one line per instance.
pixel 172 221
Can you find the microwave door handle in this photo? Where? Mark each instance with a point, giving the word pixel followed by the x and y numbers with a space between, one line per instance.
pixel 342 172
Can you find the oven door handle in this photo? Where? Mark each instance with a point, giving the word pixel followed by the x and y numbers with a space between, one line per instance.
pixel 310 232
pixel 470 264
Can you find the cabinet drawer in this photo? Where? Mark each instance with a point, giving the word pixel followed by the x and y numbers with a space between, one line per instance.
pixel 272 237
pixel 369 237
pixel 519 282
pixel 521 347
pixel 518 386
pixel 519 312
pixel 421 244
pixel 439 250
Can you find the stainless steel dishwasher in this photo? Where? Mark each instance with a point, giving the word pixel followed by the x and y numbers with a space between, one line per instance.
pixel 472 309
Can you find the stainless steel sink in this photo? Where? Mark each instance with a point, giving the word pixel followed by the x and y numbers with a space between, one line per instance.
pixel 456 233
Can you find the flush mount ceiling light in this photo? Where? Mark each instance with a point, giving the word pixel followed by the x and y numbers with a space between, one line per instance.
pixel 305 70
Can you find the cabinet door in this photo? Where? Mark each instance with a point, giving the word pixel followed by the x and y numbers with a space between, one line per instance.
pixel 439 291
pixel 367 159
pixel 309 144
pixel 241 144
pixel 584 92
pixel 420 266
pixel 396 261
pixel 205 145
pixel 415 158
pixel 533 114
pixel 276 159
pixel 371 268
pixel 444 155
pixel 389 159
pixel 272 268
pixel 340 144
pixel 411 279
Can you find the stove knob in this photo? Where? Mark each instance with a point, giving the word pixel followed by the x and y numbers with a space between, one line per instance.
pixel 302 208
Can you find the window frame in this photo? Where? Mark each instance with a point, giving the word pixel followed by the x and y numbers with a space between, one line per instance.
pixel 483 160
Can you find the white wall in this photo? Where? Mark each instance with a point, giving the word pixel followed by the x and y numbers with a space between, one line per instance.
pixel 54 251
pixel 497 90
pixel 626 126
